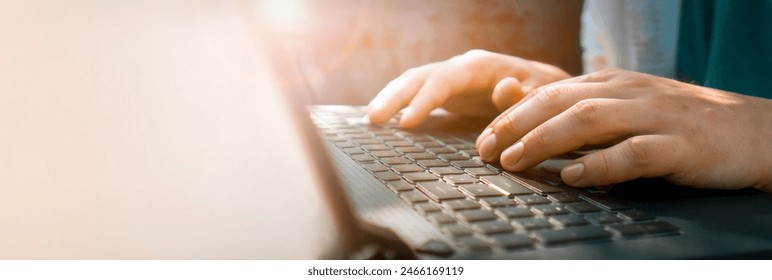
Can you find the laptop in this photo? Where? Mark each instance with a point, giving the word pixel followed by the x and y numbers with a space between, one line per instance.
pixel 160 131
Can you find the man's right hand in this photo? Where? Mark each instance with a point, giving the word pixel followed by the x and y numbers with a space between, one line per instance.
pixel 477 83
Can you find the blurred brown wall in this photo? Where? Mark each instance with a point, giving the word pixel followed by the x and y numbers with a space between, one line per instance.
pixel 344 51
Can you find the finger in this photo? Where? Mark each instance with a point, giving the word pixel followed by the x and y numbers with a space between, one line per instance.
pixel 640 156
pixel 489 129
pixel 433 93
pixel 588 122
pixel 547 103
pixel 506 93
pixel 398 93
pixel 529 86
pixel 527 89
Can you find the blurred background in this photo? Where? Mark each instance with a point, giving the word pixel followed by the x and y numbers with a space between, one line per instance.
pixel 345 51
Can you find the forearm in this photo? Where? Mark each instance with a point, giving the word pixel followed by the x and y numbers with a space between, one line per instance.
pixel 765 136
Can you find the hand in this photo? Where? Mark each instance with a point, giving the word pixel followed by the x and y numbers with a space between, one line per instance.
pixel 477 83
pixel 690 135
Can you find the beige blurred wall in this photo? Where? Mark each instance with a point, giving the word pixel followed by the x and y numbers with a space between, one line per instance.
pixel 344 51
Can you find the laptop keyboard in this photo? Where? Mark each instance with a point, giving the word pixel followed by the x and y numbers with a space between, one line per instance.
pixel 478 205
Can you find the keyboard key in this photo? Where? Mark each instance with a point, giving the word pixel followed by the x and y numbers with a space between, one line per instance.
pixel 440 219
pixel 460 179
pixel 411 149
pixel 635 216
pixel 469 152
pixel 407 168
pixel 448 140
pixel 381 132
pixel 426 207
pixel 643 228
pixel 419 177
pixel 376 167
pixel 446 170
pixel 353 151
pixel 440 150
pixel 417 138
pixel 511 241
pixel 388 137
pixel 439 191
pixel 457 230
pixel 428 144
pixel 432 163
pixel 478 190
pixel 475 215
pixel 375 147
pixel 603 218
pixel 492 227
pixel 398 144
pixel 344 145
pixel 387 176
pixel 568 220
pixel 363 158
pixel 452 157
pixel 505 186
pixel 435 247
pixel 413 197
pixel 480 171
pixel 419 156
pixel 366 141
pixel 549 210
pixel 603 201
pixel 582 207
pixel 461 146
pixel 467 163
pixel 571 234
pixel 395 161
pixel 539 187
pixel 495 202
pixel 472 243
pixel 513 212
pixel 400 186
pixel 460 204
pixel 338 139
pixel 531 199
pixel 384 154
pixel 366 137
pixel 531 223
pixel 563 197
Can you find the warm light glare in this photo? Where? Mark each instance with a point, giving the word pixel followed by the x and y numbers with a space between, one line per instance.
pixel 285 14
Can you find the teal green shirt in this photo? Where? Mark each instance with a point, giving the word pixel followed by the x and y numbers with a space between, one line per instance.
pixel 727 44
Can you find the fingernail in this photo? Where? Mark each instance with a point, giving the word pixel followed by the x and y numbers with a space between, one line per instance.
pixel 488 146
pixel 572 173
pixel 482 136
pixel 512 155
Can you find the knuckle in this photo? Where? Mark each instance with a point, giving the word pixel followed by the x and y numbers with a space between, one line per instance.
pixel 476 53
pixel 550 95
pixel 410 72
pixel 586 111
pixel 603 164
pixel 508 122
pixel 537 139
pixel 641 152
pixel 470 57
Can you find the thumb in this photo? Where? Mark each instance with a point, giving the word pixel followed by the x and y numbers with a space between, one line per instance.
pixel 639 156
